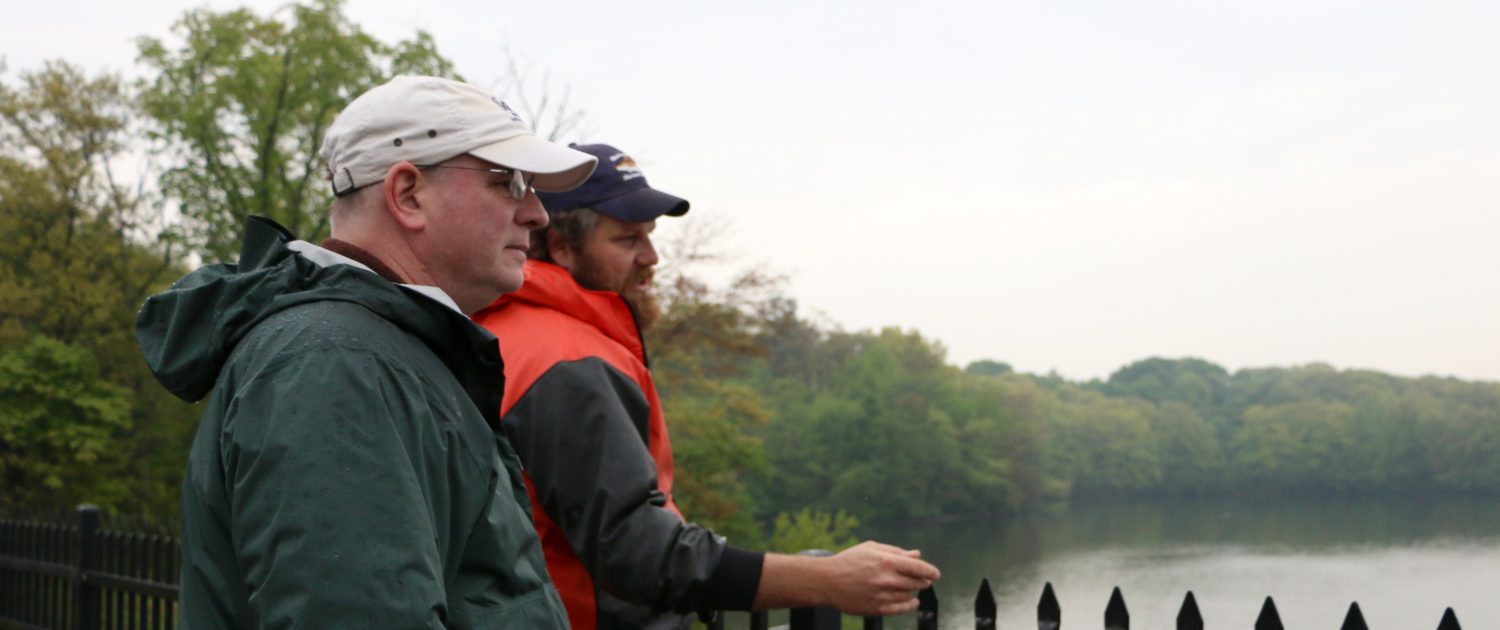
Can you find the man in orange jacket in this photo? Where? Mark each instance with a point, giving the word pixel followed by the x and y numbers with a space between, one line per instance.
pixel 583 414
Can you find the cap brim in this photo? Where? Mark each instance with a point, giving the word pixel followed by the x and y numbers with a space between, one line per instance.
pixel 642 204
pixel 557 168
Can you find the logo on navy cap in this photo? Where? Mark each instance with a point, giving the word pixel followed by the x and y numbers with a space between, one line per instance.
pixel 626 167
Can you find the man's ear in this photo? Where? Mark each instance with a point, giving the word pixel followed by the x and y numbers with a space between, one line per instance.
pixel 401 185
pixel 560 249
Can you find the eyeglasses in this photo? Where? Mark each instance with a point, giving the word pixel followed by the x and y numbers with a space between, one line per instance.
pixel 518 183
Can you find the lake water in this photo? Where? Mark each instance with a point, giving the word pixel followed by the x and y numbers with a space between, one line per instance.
pixel 1404 561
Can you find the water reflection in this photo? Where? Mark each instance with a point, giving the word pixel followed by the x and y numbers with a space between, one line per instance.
pixel 1403 560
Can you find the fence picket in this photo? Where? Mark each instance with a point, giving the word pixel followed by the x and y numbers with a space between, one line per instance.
pixel 1269 619
pixel 1048 612
pixel 110 550
pixel 984 607
pixel 62 595
pixel 155 573
pixel 927 608
pixel 136 556
pixel 760 620
pixel 29 610
pixel 1116 616
pixel 1449 622
pixel 1188 617
pixel 87 607
pixel 1354 620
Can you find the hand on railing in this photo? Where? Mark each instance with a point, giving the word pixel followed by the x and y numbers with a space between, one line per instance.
pixel 871 579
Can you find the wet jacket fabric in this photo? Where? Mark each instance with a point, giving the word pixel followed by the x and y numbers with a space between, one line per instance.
pixel 583 414
pixel 344 474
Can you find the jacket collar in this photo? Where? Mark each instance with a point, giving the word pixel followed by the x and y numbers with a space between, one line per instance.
pixel 552 287
pixel 188 332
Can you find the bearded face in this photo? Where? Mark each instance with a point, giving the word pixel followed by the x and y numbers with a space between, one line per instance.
pixel 618 256
pixel 635 285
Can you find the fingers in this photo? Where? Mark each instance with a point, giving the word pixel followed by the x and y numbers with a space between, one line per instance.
pixel 898 608
pixel 915 568
pixel 892 603
pixel 881 579
pixel 910 560
pixel 907 561
pixel 887 603
pixel 901 588
pixel 904 577
pixel 882 546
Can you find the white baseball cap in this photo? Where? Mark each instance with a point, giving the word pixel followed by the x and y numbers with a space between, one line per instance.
pixel 425 120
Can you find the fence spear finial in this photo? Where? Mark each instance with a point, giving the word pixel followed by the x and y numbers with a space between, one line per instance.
pixel 927 608
pixel 1269 619
pixel 1048 613
pixel 1188 618
pixel 1116 617
pixel 1354 620
pixel 984 607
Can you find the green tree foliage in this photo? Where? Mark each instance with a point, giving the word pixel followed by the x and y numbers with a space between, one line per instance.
pixel 988 367
pixel 715 453
pixel 244 100
pixel 73 271
pixel 1004 440
pixel 1458 430
pixel 808 529
pixel 58 423
pixel 1110 443
pixel 1188 449
pixel 1159 427
pixel 700 351
pixel 877 443
pixel 1196 383
pixel 66 220
pixel 878 425
pixel 1295 444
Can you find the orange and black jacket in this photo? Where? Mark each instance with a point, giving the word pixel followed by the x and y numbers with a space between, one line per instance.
pixel 582 413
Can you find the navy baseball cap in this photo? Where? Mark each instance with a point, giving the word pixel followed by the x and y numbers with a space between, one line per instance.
pixel 617 188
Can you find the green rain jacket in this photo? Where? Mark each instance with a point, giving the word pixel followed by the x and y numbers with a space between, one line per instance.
pixel 344 474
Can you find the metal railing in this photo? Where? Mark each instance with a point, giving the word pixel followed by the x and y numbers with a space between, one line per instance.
pixel 79 575
pixel 1049 614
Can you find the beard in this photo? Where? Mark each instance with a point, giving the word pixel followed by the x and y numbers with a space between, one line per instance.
pixel 647 307
pixel 645 303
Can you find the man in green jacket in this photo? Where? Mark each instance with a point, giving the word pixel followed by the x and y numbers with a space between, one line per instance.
pixel 345 473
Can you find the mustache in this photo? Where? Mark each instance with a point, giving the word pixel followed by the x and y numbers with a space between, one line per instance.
pixel 644 274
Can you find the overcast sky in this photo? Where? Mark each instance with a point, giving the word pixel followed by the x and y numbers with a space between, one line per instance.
pixel 1064 186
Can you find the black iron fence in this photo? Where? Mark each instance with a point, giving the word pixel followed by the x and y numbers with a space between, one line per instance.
pixel 1117 615
pixel 1049 614
pixel 57 574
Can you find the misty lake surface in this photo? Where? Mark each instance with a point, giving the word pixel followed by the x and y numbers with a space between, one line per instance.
pixel 1404 561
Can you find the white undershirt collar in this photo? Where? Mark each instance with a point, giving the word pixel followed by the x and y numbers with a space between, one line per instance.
pixel 324 258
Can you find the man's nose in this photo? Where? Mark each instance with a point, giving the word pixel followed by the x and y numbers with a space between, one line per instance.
pixel 531 215
pixel 647 257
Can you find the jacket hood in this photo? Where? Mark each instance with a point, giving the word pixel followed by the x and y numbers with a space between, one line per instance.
pixel 188 332
pixel 550 286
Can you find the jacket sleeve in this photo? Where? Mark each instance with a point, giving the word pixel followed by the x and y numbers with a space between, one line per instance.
pixel 581 432
pixel 332 508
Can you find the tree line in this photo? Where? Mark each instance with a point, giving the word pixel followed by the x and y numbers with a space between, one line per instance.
pixel 788 430
pixel 879 426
